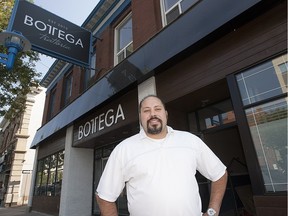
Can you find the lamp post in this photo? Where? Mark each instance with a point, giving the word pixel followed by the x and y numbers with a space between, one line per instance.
pixel 15 42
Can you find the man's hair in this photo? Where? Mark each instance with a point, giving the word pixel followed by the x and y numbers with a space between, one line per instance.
pixel 140 104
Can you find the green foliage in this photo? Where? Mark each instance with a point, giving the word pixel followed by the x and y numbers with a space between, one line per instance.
pixel 16 83
pixel 5 11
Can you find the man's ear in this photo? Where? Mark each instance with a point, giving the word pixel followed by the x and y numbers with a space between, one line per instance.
pixel 166 114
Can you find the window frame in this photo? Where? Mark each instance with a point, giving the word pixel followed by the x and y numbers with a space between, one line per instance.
pixel 90 73
pixel 178 4
pixel 116 40
pixel 52 102
pixel 67 90
pixel 42 186
pixel 251 154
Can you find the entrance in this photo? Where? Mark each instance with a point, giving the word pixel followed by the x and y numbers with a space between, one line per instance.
pixel 226 144
pixel 215 124
pixel 211 117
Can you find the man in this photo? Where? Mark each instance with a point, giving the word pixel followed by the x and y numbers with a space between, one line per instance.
pixel 158 167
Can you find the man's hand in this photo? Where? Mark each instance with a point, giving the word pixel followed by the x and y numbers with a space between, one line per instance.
pixel 218 189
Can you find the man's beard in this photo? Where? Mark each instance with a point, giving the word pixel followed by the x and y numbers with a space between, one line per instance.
pixel 154 129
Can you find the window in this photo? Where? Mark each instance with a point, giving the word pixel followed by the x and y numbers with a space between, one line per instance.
pixel 67 88
pixel 52 102
pixel 268 127
pixel 123 39
pixel 38 188
pixel 216 115
pixel 281 72
pixel 59 173
pixel 49 175
pixel 268 120
pixel 263 81
pixel 91 72
pixel 173 8
pixel 93 65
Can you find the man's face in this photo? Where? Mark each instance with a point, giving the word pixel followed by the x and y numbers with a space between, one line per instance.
pixel 153 118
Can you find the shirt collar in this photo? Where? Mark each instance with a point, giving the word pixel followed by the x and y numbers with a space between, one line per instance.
pixel 144 136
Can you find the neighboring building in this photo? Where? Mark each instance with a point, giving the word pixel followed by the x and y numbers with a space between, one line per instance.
pixel 16 157
pixel 220 67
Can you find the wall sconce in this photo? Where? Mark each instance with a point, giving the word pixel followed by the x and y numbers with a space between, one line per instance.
pixel 15 42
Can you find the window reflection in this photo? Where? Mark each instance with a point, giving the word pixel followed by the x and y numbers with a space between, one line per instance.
pixel 49 175
pixel 39 178
pixel 268 121
pixel 52 175
pixel 268 126
pixel 216 115
pixel 264 81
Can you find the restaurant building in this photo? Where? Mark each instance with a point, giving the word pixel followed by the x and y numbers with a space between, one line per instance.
pixel 220 67
pixel 16 156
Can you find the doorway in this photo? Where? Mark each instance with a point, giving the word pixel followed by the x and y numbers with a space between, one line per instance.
pixel 216 125
pixel 209 114
pixel 226 144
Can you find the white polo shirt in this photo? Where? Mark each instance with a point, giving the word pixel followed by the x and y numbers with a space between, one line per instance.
pixel 159 174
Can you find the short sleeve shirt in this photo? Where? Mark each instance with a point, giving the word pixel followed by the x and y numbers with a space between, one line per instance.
pixel 159 174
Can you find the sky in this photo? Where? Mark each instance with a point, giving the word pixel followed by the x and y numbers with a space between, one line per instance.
pixel 75 11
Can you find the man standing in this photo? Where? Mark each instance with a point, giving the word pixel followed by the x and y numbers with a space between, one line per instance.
pixel 158 167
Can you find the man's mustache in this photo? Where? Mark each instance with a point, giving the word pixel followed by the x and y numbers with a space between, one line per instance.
pixel 153 118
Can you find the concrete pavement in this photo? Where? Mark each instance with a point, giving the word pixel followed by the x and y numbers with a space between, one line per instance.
pixel 19 211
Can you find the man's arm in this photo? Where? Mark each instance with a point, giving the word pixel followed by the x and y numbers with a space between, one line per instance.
pixel 218 189
pixel 106 208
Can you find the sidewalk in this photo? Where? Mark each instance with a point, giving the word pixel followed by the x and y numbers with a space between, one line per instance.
pixel 19 211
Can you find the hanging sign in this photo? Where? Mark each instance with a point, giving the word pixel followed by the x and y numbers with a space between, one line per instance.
pixel 52 35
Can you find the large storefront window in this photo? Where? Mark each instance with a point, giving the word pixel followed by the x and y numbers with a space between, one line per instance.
pixel 268 120
pixel 49 175
pixel 268 126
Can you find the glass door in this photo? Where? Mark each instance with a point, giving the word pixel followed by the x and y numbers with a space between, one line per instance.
pixel 101 158
pixel 216 126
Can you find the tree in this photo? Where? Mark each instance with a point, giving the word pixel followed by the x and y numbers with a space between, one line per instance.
pixel 15 84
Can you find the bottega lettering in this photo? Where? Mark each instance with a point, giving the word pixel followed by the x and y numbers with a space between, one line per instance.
pixel 49 30
pixel 100 122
